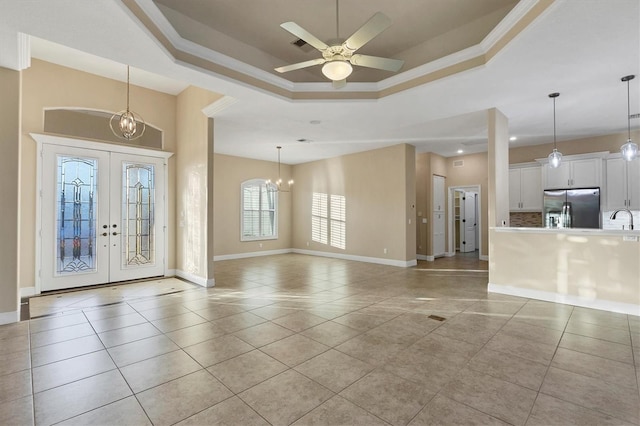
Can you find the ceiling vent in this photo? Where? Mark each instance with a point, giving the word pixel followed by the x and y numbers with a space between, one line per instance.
pixel 458 163
pixel 303 45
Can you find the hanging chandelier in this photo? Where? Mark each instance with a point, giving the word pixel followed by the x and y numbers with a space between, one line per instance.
pixel 278 184
pixel 630 149
pixel 127 124
pixel 555 158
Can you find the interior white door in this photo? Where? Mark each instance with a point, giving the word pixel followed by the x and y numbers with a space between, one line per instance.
pixel 469 223
pixel 102 217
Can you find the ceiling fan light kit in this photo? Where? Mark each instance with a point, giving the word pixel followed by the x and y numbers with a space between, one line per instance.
pixel 338 59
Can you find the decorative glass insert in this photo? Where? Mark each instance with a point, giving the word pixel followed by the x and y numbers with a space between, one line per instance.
pixel 138 211
pixel 76 199
pixel 259 210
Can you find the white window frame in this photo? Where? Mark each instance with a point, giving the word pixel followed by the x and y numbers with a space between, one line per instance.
pixel 271 189
pixel 329 220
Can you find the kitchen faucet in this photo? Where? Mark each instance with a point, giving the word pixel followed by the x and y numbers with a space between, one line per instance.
pixel 614 214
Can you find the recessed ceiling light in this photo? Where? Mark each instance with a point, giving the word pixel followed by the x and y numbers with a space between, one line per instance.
pixel 513 138
pixel 460 151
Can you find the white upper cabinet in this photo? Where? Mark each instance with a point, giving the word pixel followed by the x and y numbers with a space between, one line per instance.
pixel 623 184
pixel 525 188
pixel 575 171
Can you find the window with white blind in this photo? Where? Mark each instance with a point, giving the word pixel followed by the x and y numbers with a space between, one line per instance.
pixel 328 220
pixel 259 211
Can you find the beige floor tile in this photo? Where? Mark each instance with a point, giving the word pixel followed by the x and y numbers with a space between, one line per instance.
pixel 506 401
pixel 177 322
pixel 263 334
pixel 230 412
pixel 598 317
pixel 121 336
pixel 195 334
pixel 444 411
pixel 121 321
pixel 56 321
pixel 593 393
pixel 238 321
pixel 140 350
pixel 155 371
pixel 603 369
pixel 15 385
pixel 218 310
pixel 611 334
pixel 94 314
pixel 360 321
pixel 445 348
pixel 285 398
pixel 496 307
pixel 64 402
pixel 525 330
pixel 181 398
pixel 418 366
pixel 472 328
pixel 339 411
pixel 597 347
pixel 14 362
pixel 522 347
pixel 164 312
pixel 247 370
pixel 373 349
pixel 126 412
pixel 553 411
pixel 63 350
pixel 217 350
pixel 330 333
pixel 273 312
pixel 17 329
pixel 61 334
pixel 294 350
pixel 299 321
pixel 509 368
pixel 330 312
pixel 72 369
pixel 387 396
pixel 18 412
pixel 334 370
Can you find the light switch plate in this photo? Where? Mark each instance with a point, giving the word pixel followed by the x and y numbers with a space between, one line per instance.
pixel 632 238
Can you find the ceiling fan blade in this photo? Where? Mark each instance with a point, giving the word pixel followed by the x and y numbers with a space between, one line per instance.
pixel 305 35
pixel 300 65
pixel 376 62
pixel 339 84
pixel 374 26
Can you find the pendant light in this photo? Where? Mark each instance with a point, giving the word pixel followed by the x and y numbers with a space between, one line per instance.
pixel 278 183
pixel 630 149
pixel 555 158
pixel 127 124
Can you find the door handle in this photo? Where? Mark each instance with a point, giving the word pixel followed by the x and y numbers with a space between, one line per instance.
pixel 115 233
pixel 104 234
pixel 114 225
pixel 105 226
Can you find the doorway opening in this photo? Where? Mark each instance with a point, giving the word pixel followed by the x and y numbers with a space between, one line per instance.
pixel 465 222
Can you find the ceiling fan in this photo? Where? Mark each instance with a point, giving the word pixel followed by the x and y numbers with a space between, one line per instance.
pixel 339 57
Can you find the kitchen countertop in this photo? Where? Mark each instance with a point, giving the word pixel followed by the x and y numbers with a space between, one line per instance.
pixel 571 231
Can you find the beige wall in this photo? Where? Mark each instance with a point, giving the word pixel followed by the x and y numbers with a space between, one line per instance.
pixel 374 184
pixel 46 85
pixel 582 265
pixel 194 152
pixel 9 186
pixel 229 173
pixel 611 143
pixel 410 201
pixel 423 193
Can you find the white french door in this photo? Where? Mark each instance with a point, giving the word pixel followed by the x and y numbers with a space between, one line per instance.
pixel 102 216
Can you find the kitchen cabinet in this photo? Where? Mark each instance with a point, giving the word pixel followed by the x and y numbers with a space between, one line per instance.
pixel 574 173
pixel 525 188
pixel 438 193
pixel 623 184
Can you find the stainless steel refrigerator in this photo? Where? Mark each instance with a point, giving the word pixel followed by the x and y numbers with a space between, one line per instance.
pixel 572 208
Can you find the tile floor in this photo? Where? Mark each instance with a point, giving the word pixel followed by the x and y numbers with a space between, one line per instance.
pixel 295 339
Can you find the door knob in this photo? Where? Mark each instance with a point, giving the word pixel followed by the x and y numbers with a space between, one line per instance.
pixel 114 225
pixel 105 226
pixel 115 233
pixel 104 234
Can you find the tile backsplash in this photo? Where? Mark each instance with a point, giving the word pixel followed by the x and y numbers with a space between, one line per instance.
pixel 526 219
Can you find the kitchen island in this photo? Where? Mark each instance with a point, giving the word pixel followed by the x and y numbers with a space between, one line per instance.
pixel 593 268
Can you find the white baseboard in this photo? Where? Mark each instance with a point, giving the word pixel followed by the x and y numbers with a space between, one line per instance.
pixel 27 292
pixel 251 254
pixel 450 254
pixel 196 279
pixel 567 299
pixel 170 273
pixel 430 258
pixel 380 261
pixel 483 257
pixel 9 317
pixel 422 257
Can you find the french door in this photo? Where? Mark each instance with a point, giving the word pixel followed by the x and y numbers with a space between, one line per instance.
pixel 102 217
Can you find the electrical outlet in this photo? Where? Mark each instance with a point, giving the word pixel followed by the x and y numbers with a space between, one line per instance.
pixel 633 238
pixel 307 243
pixel 385 250
pixel 260 245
